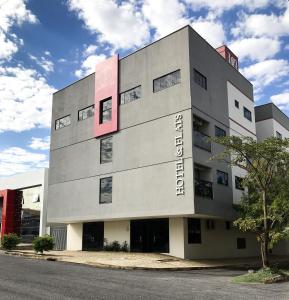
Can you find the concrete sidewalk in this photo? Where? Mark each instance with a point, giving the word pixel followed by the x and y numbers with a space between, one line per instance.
pixel 150 261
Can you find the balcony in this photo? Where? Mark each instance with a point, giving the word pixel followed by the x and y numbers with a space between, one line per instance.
pixel 204 188
pixel 202 140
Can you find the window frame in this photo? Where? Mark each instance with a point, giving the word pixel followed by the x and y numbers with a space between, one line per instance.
pixel 217 128
pixel 203 77
pixel 241 243
pixel 239 188
pixel 61 119
pixel 100 147
pixel 123 93
pixel 226 178
pixel 100 191
pixel 101 111
pixel 80 110
pixel 194 240
pixel 279 135
pixel 246 110
pixel 163 76
pixel 237 104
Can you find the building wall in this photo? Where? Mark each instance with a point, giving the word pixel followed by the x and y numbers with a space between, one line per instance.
pixel 74 236
pixel 117 231
pixel 143 167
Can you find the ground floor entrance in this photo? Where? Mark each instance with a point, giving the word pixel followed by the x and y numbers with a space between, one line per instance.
pixel 151 235
pixel 93 236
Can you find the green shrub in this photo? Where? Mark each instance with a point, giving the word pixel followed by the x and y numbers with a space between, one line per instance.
pixel 10 241
pixel 115 246
pixel 43 243
pixel 124 247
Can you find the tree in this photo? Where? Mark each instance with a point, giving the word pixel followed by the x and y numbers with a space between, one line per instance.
pixel 264 207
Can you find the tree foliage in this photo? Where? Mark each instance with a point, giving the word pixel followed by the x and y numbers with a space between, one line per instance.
pixel 264 207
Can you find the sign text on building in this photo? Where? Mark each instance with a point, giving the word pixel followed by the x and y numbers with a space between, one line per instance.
pixel 179 144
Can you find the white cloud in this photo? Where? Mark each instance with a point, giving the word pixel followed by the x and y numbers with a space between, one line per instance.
pixel 90 50
pixel 264 73
pixel 165 16
pixel 263 25
pixel 120 24
pixel 25 99
pixel 255 48
pixel 12 12
pixel 281 100
pixel 220 6
pixel 43 62
pixel 18 160
pixel 211 31
pixel 40 143
pixel 88 65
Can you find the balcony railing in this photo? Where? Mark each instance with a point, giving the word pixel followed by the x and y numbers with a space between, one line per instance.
pixel 202 140
pixel 204 188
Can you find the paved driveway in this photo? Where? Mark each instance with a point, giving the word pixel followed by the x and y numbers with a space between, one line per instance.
pixel 22 278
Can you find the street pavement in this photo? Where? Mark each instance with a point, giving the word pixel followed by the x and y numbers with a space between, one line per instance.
pixel 23 278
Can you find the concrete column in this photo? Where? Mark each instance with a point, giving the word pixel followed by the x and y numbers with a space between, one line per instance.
pixel 117 231
pixel 74 236
pixel 177 237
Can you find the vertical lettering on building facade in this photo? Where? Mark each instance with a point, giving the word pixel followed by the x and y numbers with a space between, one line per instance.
pixel 179 144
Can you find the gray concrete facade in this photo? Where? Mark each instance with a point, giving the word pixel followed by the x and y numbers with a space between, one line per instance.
pixel 143 166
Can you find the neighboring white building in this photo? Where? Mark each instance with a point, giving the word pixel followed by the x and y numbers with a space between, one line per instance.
pixel 33 188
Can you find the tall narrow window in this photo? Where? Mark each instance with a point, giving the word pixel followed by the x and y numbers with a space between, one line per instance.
pixel 236 103
pixel 130 95
pixel 106 150
pixel 62 122
pixel 239 183
pixel 247 114
pixel 278 135
pixel 105 195
pixel 167 81
pixel 105 110
pixel 86 113
pixel 200 79
pixel 194 231
pixel 222 177
pixel 241 243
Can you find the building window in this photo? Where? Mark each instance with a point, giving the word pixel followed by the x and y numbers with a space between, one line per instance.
pixel 210 224
pixel 247 114
pixel 106 150
pixel 278 135
pixel 105 190
pixel 241 243
pixel 200 79
pixel 63 122
pixel 228 225
pixel 130 95
pixel 219 132
pixel 222 177
pixel 237 103
pixel 86 113
pixel 167 81
pixel 105 111
pixel 239 183
pixel 194 231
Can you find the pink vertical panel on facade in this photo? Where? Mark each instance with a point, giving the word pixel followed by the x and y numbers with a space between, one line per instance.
pixel 106 86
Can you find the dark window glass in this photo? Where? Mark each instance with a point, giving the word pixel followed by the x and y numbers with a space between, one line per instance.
pixel 278 135
pixel 237 103
pixel 228 225
pixel 63 122
pixel 219 132
pixel 239 183
pixel 222 177
pixel 105 190
pixel 105 110
pixel 200 79
pixel 167 81
pixel 130 95
pixel 106 150
pixel 194 231
pixel 247 114
pixel 210 224
pixel 86 113
pixel 241 243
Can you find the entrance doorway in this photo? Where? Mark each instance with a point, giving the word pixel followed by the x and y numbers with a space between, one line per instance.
pixel 150 235
pixel 92 236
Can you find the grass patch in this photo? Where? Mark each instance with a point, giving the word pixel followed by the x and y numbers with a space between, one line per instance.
pixel 268 275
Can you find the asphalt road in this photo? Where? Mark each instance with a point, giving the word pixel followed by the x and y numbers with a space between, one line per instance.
pixel 23 278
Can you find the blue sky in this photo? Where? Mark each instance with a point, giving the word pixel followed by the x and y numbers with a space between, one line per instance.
pixel 45 45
